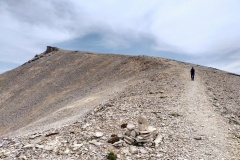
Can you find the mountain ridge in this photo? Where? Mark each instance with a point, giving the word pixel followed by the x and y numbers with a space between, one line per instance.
pixel 70 95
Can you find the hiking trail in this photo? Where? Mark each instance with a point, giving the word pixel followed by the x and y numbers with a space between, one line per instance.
pixel 209 133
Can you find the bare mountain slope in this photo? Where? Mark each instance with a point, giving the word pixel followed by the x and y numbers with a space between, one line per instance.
pixel 91 93
pixel 49 86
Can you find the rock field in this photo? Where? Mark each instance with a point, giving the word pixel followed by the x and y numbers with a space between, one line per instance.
pixel 184 119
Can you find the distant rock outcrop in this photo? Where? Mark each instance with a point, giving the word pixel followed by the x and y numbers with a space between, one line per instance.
pixel 38 56
pixel 51 49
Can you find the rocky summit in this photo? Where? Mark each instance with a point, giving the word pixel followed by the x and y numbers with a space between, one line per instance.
pixel 81 105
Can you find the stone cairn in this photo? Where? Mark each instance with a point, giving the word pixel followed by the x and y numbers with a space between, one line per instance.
pixel 143 134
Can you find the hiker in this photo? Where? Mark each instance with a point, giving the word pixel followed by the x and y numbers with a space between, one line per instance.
pixel 192 71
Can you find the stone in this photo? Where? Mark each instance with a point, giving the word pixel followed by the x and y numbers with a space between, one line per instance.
pixel 39 146
pixel 23 157
pixel 125 151
pixel 198 138
pixel 86 125
pixel 29 146
pixel 96 143
pixel 133 150
pixel 148 149
pixel 133 133
pixel 67 151
pixel 151 128
pixel 142 123
pixel 113 139
pixel 119 143
pixel 145 132
pixel 77 146
pixel 54 143
pixel 158 140
pixel 142 140
pixel 159 155
pixel 51 134
pixel 51 49
pixel 124 125
pixel 143 151
pixel 48 148
pixel 98 134
pixel 127 133
pixel 129 140
pixel 146 136
pixel 130 127
pixel 120 135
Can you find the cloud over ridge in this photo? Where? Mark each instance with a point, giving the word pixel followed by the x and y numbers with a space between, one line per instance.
pixel 207 29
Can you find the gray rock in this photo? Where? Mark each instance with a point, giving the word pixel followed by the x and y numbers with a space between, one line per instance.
pixel 98 134
pixel 143 151
pixel 133 149
pixel 158 140
pixel 86 125
pixel 142 123
pixel 129 140
pixel 130 127
pixel 119 143
pixel 133 133
pixel 77 146
pixel 29 146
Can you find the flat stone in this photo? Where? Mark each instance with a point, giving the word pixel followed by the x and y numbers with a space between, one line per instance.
pixel 51 134
pixel 130 127
pixel 151 128
pixel 98 134
pixel 77 146
pixel 129 140
pixel 144 132
pixel 143 140
pixel 29 146
pixel 198 138
pixel 94 142
pixel 119 143
pixel 147 136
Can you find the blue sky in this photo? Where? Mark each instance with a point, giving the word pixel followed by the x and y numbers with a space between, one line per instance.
pixel 201 31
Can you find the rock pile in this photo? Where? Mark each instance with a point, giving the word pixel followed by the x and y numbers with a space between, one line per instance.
pixel 142 135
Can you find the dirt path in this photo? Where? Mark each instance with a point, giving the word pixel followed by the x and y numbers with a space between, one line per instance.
pixel 209 132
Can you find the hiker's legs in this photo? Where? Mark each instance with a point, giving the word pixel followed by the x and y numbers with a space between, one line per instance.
pixel 192 77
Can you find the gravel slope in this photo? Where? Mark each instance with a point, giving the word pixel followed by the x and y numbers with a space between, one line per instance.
pixel 189 116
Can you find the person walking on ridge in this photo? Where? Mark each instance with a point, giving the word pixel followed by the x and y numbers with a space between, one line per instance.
pixel 192 71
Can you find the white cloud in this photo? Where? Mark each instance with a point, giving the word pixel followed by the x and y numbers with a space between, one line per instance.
pixel 195 28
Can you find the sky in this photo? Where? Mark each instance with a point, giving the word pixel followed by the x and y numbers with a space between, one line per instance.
pixel 204 32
